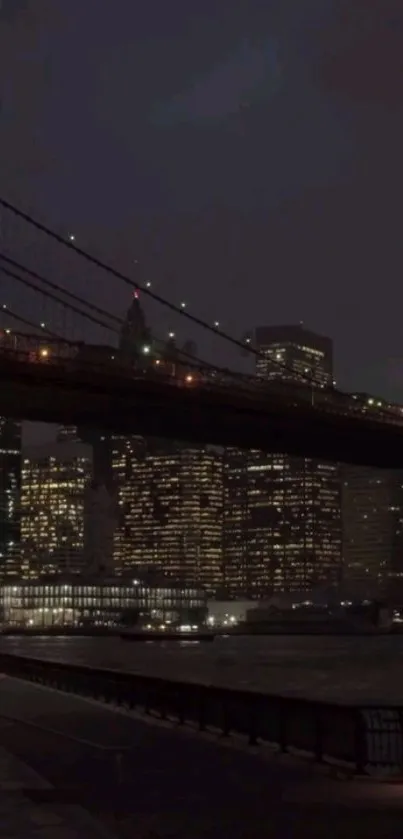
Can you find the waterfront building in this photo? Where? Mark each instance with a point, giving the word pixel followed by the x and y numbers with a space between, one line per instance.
pixel 89 601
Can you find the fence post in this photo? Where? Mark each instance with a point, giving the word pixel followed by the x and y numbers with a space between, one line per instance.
pixel 282 724
pixel 202 710
pixel 252 722
pixel 163 705
pixel 226 725
pixel 318 722
pixel 180 705
pixel 147 703
pixel 360 751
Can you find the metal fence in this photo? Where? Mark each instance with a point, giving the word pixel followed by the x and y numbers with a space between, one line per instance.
pixel 367 740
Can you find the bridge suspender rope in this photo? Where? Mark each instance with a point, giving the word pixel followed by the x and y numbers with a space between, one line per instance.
pixel 55 297
pixel 197 363
pixel 55 287
pixel 146 291
pixel 5 309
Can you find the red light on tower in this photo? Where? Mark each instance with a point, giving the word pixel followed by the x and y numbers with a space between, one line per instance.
pixel 136 294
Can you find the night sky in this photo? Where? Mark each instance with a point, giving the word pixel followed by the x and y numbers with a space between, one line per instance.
pixel 248 155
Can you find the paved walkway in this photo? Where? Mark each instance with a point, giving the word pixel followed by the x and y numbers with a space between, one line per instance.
pixel 151 781
pixel 22 818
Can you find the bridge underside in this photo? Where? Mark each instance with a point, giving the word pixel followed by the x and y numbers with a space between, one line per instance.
pixel 47 394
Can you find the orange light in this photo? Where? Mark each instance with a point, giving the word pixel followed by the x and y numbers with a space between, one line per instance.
pixel 44 352
pixel 189 378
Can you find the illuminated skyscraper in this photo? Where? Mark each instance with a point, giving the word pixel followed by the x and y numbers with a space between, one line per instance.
pixel 291 353
pixel 170 510
pixel 282 529
pixel 54 481
pixel 10 482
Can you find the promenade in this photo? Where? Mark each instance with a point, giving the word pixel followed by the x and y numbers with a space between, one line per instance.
pixel 25 814
pixel 142 778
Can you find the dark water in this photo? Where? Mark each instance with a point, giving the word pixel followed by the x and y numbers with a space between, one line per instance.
pixel 340 669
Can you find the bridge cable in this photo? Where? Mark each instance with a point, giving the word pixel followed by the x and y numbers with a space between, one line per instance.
pixel 199 363
pixel 5 309
pixel 109 269
pixel 55 287
pixel 192 361
pixel 54 297
pixel 156 297
pixel 195 363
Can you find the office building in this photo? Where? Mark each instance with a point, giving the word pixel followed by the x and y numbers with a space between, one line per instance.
pixel 372 510
pixel 74 602
pixel 53 484
pixel 294 354
pixel 169 510
pixel 282 528
pixel 10 483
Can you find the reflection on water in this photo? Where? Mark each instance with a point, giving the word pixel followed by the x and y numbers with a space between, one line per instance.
pixel 334 668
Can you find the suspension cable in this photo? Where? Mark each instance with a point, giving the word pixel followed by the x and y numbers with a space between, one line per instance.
pixel 29 219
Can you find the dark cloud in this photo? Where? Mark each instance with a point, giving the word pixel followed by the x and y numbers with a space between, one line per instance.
pixel 11 9
pixel 247 76
pixel 361 52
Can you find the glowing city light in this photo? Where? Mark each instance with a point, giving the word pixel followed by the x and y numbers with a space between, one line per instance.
pixel 171 334
pixel 189 378
pixel 72 237
pixel 183 305
pixel 216 324
pixel 146 349
pixel 43 325
pixel 44 352
pixel 148 285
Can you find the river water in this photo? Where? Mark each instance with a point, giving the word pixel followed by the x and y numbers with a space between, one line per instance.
pixel 340 669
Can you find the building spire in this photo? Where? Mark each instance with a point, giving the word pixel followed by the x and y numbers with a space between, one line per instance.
pixel 134 333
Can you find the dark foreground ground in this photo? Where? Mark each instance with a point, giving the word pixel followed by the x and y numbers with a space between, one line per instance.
pixel 152 780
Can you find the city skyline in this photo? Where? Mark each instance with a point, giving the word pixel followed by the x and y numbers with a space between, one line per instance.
pixel 239 523
pixel 247 100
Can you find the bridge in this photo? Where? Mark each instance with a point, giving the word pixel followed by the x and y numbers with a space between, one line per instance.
pixel 56 384
pixel 172 393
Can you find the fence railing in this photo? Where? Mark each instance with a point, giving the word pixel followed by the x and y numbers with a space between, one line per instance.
pixel 367 739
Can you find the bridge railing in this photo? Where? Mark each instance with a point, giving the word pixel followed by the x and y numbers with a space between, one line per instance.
pixel 364 740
